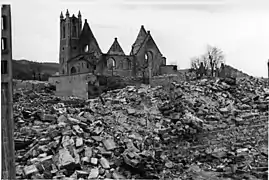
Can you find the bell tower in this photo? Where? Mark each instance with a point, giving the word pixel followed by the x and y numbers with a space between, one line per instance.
pixel 70 29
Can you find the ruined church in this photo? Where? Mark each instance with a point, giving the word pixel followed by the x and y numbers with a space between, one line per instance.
pixel 80 52
pixel 80 55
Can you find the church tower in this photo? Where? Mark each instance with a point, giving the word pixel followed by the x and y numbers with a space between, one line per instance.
pixel 70 29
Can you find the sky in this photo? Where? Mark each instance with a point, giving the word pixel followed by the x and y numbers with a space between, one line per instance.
pixel 182 29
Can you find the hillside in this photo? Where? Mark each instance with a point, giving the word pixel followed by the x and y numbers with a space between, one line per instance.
pixel 229 70
pixel 235 72
pixel 24 69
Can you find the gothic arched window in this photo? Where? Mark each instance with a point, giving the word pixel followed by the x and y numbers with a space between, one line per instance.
pixel 111 64
pixel 73 70
pixel 86 49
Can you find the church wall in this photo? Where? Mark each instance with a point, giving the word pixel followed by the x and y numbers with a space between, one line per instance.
pixel 156 57
pixel 119 72
pixel 91 47
pixel 123 65
pixel 76 85
pixel 81 66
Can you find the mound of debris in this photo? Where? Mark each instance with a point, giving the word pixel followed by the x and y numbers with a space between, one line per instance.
pixel 146 133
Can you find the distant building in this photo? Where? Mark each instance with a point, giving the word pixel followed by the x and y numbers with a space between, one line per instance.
pixel 80 54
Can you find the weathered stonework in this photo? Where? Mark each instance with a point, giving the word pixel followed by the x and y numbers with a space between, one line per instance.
pixel 80 54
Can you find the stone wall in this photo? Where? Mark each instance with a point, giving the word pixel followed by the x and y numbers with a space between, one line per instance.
pixel 165 80
pixel 29 85
pixel 76 85
pixel 118 72
pixel 81 66
pixel 132 81
pixel 155 58
pixel 168 69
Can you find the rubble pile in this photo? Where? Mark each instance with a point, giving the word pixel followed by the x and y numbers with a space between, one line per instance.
pixel 194 130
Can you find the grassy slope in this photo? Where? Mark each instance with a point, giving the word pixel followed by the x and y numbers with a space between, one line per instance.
pixel 23 69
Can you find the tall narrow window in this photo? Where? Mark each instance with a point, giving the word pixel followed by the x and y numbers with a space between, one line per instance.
pixel 4 22
pixel 64 31
pixel 4 67
pixel 4 43
pixel 111 64
pixel 74 34
pixel 86 49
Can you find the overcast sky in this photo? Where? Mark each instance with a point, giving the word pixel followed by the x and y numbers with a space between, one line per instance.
pixel 181 28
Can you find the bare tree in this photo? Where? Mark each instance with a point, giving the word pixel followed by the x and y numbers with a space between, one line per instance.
pixel 215 58
pixel 205 62
pixel 195 64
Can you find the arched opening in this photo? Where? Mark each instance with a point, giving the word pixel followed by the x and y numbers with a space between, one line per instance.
pixel 111 64
pixel 86 49
pixel 146 57
pixel 148 62
pixel 73 70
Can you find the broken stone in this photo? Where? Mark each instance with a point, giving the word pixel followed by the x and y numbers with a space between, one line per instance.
pixel 78 129
pixel 97 138
pixel 46 158
pixel 128 160
pixel 131 111
pixel 85 159
pixel 224 110
pixel 102 171
pixel 108 174
pixel 73 120
pixel 30 170
pixel 79 142
pixel 178 129
pixel 65 159
pixel 94 161
pixel 104 163
pixel 82 174
pixel 109 144
pixel 88 152
pixel 93 173
pixel 98 130
pixel 49 118
pixel 116 175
